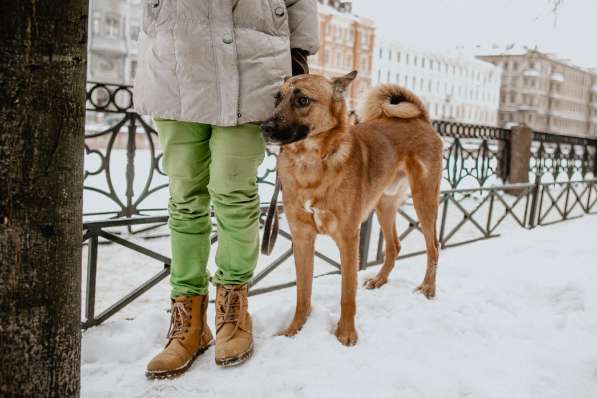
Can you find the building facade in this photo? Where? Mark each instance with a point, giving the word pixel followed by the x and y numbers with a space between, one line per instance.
pixel 547 94
pixel 114 27
pixel 346 44
pixel 453 87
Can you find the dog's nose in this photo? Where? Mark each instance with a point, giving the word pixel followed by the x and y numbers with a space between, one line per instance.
pixel 268 127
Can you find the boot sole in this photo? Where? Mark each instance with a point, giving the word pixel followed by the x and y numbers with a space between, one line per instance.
pixel 170 374
pixel 237 360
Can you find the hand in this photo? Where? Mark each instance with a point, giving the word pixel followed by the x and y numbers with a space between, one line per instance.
pixel 299 61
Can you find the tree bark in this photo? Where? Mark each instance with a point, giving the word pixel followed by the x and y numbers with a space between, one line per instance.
pixel 42 101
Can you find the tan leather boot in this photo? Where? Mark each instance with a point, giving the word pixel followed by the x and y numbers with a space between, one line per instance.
pixel 234 328
pixel 188 337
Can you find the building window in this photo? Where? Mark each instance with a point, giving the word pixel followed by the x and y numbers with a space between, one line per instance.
pixel 113 26
pixel 134 30
pixel 380 53
pixel 348 63
pixel 407 58
pixel 379 76
pixel 397 77
pixel 364 64
pixel 339 59
pixel 328 29
pixel 327 56
pixel 390 55
pixel 133 69
pixel 96 23
pixel 388 77
pixel 397 56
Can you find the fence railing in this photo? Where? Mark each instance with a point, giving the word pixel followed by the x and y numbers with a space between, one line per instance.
pixel 123 170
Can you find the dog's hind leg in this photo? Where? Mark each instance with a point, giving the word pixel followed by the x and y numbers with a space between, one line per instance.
pixel 303 247
pixel 425 194
pixel 386 215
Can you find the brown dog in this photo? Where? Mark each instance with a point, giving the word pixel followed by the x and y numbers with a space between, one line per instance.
pixel 334 175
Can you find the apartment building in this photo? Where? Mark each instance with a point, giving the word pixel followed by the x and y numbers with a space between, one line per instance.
pixel 546 93
pixel 454 87
pixel 346 44
pixel 114 27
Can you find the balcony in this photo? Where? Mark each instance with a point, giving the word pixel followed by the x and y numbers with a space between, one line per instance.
pixel 557 78
pixel 114 46
pixel 531 73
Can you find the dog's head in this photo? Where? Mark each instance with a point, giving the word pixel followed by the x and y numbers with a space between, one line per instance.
pixel 306 105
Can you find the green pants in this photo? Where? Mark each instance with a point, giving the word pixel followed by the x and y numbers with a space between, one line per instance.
pixel 207 162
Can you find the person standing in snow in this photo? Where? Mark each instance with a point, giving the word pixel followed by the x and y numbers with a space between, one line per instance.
pixel 207 74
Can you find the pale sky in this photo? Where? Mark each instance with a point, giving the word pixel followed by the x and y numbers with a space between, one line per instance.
pixel 445 25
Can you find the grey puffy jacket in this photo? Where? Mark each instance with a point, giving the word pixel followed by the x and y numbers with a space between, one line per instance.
pixel 219 61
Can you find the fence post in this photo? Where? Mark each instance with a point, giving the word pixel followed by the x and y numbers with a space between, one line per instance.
pixel 91 279
pixel 595 159
pixel 536 188
pixel 520 154
pixel 534 201
pixel 131 149
pixel 364 241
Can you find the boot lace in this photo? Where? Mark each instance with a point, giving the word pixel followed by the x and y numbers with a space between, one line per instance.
pixel 178 321
pixel 232 308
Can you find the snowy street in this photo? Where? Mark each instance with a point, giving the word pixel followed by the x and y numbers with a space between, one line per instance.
pixel 514 316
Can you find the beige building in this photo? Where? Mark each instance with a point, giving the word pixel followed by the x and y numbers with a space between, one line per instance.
pixel 112 46
pixel 545 93
pixel 346 44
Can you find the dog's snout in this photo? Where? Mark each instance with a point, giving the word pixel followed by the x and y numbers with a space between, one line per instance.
pixel 268 127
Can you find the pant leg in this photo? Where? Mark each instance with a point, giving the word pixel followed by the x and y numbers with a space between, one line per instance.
pixel 186 162
pixel 236 152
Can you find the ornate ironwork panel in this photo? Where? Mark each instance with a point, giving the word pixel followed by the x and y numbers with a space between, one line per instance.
pixel 559 157
pixel 479 154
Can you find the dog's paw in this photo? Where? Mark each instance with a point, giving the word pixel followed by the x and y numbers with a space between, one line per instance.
pixel 427 290
pixel 347 335
pixel 375 282
pixel 292 329
pixel 289 331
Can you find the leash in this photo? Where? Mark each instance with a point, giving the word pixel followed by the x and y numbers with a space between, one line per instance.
pixel 270 228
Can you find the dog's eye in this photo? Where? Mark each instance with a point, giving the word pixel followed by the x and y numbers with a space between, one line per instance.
pixel 277 99
pixel 303 101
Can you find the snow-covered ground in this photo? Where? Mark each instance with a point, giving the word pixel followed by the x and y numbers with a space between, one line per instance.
pixel 514 316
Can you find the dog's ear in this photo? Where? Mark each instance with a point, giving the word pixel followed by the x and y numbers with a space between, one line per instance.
pixel 286 78
pixel 341 83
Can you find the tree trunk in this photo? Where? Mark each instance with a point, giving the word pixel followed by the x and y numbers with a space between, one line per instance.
pixel 42 101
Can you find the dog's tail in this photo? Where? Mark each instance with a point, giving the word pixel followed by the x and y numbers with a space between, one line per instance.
pixel 392 100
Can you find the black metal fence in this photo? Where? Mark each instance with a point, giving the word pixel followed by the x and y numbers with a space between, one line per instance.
pixel 475 200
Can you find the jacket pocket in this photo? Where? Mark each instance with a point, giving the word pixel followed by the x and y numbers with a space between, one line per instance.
pixel 280 17
pixel 151 12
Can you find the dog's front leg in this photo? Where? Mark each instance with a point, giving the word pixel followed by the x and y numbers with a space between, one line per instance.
pixel 348 244
pixel 303 247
